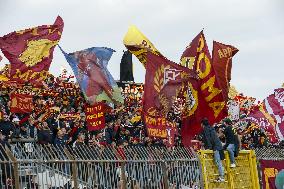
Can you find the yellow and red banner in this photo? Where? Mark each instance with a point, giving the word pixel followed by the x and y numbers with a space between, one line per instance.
pixel 30 51
pixel 164 82
pixel 138 44
pixel 95 117
pixel 197 57
pixel 21 103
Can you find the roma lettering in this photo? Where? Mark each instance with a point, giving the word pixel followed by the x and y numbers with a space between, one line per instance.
pixel 213 91
pixel 209 83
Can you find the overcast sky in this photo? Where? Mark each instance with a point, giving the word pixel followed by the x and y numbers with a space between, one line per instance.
pixel 255 27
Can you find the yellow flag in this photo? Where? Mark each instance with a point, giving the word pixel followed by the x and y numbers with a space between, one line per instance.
pixel 138 44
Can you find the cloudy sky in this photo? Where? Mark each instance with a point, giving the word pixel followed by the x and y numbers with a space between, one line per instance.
pixel 255 27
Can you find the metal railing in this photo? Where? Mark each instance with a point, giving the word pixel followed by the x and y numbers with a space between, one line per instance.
pixel 269 153
pixel 31 165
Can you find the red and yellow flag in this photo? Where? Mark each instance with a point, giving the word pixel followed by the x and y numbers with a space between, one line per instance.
pixel 198 58
pixel 164 82
pixel 138 44
pixel 222 63
pixel 30 51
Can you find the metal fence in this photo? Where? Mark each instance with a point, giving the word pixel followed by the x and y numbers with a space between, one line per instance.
pixel 269 153
pixel 30 165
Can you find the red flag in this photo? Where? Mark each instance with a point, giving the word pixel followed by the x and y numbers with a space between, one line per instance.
pixel 95 117
pixel 21 103
pixel 30 51
pixel 163 82
pixel 215 106
pixel 190 54
pixel 270 115
pixel 275 107
pixel 222 64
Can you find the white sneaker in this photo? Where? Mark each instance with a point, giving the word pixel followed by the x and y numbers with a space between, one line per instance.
pixel 220 179
pixel 233 165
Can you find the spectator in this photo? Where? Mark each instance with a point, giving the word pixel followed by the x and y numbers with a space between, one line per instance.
pixel 212 142
pixel 59 139
pixel 6 126
pixel 232 141
pixel 80 141
pixel 44 134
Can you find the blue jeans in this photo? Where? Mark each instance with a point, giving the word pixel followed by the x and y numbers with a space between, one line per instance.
pixel 231 150
pixel 218 163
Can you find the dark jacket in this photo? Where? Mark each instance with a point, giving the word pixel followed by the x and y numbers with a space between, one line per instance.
pixel 210 139
pixel 230 135
pixel 232 138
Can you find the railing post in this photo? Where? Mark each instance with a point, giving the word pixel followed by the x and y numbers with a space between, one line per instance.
pixel 74 168
pixel 165 175
pixel 123 176
pixel 201 180
pixel 122 172
pixel 16 167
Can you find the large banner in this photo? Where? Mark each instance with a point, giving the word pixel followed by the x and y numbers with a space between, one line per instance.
pixel 30 51
pixel 270 115
pixel 270 169
pixel 95 117
pixel 21 103
pixel 90 69
pixel 163 83
pixel 197 57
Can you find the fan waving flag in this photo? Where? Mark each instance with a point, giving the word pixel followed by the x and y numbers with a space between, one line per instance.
pixel 30 51
pixel 90 69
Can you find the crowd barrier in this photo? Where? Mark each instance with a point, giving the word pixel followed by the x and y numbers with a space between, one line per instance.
pixel 31 165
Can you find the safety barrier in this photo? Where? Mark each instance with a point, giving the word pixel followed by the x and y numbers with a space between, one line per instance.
pixel 29 165
pixel 35 166
pixel 245 175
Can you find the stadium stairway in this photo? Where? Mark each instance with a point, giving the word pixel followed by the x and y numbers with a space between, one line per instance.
pixel 244 175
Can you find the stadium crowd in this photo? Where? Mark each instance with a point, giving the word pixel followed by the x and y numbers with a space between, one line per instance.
pixel 123 123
